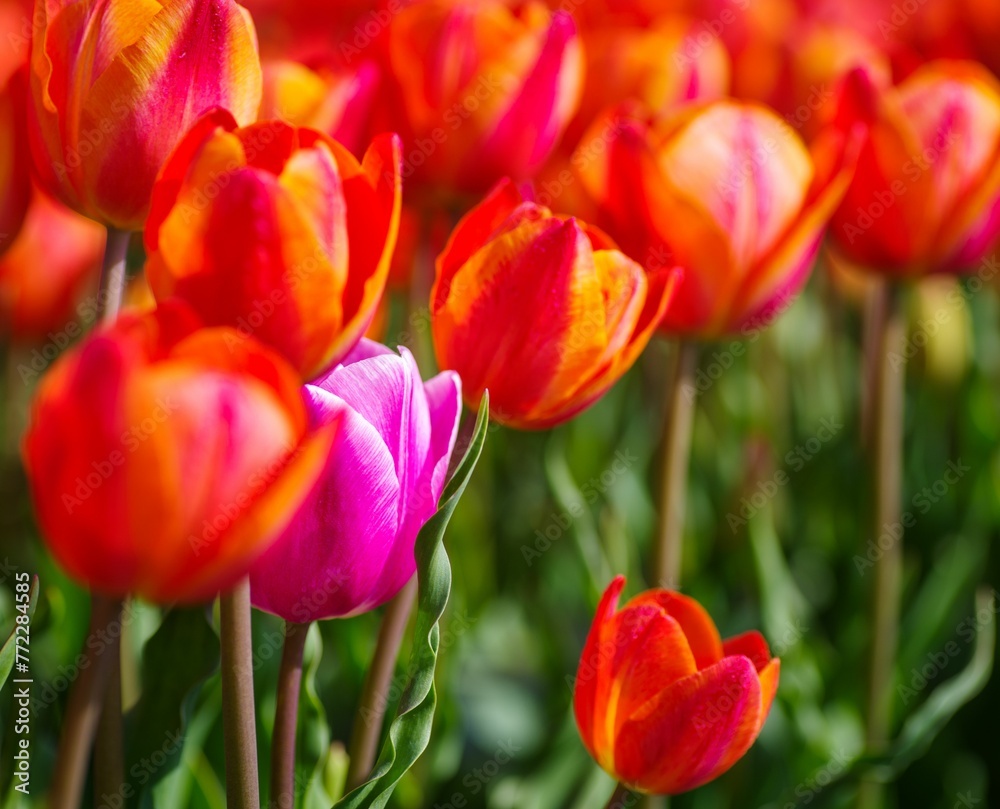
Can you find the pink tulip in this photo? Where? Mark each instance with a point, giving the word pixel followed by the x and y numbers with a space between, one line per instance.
pixel 350 548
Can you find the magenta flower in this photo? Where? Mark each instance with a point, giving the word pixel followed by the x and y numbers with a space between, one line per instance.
pixel 350 548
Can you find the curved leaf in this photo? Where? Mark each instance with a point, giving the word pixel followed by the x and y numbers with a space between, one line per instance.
pixel 8 652
pixel 410 731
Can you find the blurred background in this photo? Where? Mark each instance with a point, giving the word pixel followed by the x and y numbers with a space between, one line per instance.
pixel 778 533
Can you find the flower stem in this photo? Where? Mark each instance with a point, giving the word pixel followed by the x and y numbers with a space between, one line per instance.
pixel 238 709
pixel 109 750
pixel 887 435
pixel 286 716
pixel 83 710
pixel 676 455
pixel 112 284
pixel 371 710
pixel 623 798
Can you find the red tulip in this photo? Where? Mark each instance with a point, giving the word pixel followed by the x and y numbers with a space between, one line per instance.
pixel 661 702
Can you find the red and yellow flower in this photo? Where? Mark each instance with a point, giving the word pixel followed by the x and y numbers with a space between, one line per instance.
pixel 542 310
pixel 662 703
pixel 728 192
pixel 487 88
pixel 277 231
pixel 926 196
pixel 164 458
pixel 116 83
pixel 15 180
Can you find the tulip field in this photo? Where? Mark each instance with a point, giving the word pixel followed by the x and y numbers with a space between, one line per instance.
pixel 499 404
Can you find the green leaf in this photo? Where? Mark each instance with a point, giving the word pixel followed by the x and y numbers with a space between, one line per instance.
pixel 410 731
pixel 181 655
pixel 8 652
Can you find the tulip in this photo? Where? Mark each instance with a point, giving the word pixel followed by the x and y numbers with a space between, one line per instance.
pixel 53 260
pixel 542 310
pixel 661 702
pixel 926 197
pixel 164 458
pixel 15 183
pixel 115 83
pixel 350 547
pixel 630 63
pixel 730 193
pixel 277 231
pixel 487 88
pixel 338 103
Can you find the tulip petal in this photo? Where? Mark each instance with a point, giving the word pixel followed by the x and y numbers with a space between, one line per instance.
pixel 699 628
pixel 692 731
pixel 339 542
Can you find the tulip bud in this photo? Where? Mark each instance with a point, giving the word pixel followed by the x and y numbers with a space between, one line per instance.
pixel 277 231
pixel 728 192
pixel 487 88
pixel 164 458
pixel 661 702
pixel 927 191
pixel 542 310
pixel 350 548
pixel 115 85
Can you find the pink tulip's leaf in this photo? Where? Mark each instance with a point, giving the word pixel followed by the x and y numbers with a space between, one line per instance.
pixel 410 730
pixel 8 652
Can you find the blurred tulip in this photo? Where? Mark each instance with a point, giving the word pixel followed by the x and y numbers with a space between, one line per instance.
pixel 15 181
pixel 926 197
pixel 337 103
pixel 542 310
pixel 487 88
pixel 728 192
pixel 164 458
pixel 350 548
pixel 52 261
pixel 661 702
pixel 662 67
pixel 277 231
pixel 115 85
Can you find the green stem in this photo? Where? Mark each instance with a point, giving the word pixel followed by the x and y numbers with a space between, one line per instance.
pixel 887 435
pixel 286 716
pixel 371 710
pixel 83 710
pixel 675 459
pixel 238 709
pixel 109 751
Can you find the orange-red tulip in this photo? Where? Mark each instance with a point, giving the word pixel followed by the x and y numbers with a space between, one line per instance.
pixel 661 702
pixel 336 102
pixel 164 458
pixel 542 310
pixel 487 87
pixel 926 197
pixel 728 192
pixel 116 83
pixel 277 231
pixel 661 66
pixel 15 183
pixel 54 258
